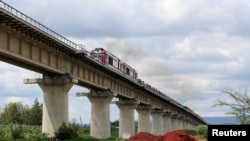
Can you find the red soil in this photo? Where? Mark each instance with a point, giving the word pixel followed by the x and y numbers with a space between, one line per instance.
pixel 176 135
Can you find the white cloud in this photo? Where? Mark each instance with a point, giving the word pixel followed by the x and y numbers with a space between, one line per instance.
pixel 12 99
pixel 175 11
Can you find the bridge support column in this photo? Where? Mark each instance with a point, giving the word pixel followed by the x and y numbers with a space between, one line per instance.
pixel 143 118
pixel 166 122
pixel 184 123
pixel 55 101
pixel 174 122
pixel 180 122
pixel 126 123
pixel 156 122
pixel 194 124
pixel 188 124
pixel 100 113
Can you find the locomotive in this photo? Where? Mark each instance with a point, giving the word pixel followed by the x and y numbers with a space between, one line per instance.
pixel 106 58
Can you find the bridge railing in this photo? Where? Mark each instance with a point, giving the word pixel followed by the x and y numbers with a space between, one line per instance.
pixel 38 25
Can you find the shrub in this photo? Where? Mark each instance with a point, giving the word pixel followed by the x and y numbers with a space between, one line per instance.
pixel 17 132
pixel 201 130
pixel 5 132
pixel 192 132
pixel 36 135
pixel 66 132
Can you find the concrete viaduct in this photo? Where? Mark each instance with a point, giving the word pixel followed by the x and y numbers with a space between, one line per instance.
pixel 28 44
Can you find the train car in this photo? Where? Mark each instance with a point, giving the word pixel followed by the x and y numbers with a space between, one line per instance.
pixel 107 58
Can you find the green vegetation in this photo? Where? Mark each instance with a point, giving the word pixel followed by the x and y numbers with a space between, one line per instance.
pixel 69 132
pixel 21 133
pixel 201 130
pixel 83 133
pixel 17 113
pixel 21 123
pixel 65 132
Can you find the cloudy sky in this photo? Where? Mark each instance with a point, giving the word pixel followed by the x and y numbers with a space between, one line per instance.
pixel 188 49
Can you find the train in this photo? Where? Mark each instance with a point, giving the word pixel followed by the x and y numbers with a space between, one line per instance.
pixel 106 58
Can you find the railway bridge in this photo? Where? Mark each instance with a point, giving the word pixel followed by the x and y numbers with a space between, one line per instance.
pixel 26 43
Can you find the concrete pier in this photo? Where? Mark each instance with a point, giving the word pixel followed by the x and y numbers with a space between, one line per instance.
pixel 166 122
pixel 156 122
pixel 143 118
pixel 126 122
pixel 180 122
pixel 184 125
pixel 55 101
pixel 174 121
pixel 100 113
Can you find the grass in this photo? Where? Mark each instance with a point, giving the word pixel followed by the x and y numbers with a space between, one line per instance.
pixel 84 134
pixel 20 133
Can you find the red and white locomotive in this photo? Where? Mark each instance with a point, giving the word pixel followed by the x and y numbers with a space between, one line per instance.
pixel 106 58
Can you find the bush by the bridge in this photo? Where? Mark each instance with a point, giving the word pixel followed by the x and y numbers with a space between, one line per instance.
pixel 67 132
pixel 201 130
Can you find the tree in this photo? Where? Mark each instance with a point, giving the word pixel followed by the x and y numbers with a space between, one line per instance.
pixel 239 104
pixel 36 113
pixel 115 123
pixel 13 113
pixel 16 113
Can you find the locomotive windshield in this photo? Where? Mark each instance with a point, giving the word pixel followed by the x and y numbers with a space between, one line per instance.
pixel 97 55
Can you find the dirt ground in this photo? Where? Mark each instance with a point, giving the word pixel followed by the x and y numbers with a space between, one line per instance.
pixel 176 135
